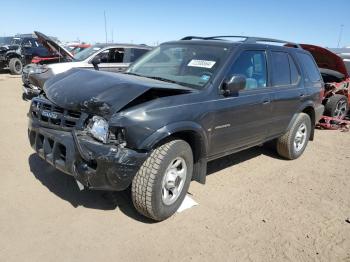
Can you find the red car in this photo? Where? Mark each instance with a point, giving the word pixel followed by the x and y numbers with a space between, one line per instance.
pixel 336 78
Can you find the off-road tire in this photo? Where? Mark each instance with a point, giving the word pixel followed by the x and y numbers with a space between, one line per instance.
pixel 285 143
pixel 146 189
pixel 332 103
pixel 13 68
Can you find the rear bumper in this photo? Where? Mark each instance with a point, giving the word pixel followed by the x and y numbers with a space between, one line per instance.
pixel 319 112
pixel 95 165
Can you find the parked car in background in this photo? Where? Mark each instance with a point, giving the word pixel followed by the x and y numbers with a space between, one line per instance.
pixel 105 57
pixel 336 77
pixel 20 52
pixel 57 54
pixel 187 102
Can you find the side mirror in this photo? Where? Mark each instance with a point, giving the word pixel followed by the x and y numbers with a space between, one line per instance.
pixel 95 61
pixel 234 84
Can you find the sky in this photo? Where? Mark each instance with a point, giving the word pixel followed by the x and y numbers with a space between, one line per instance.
pixel 150 22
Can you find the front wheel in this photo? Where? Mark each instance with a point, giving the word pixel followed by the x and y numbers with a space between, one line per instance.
pixel 293 143
pixel 15 66
pixel 161 184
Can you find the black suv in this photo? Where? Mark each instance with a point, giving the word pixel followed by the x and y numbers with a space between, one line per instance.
pixel 20 52
pixel 183 104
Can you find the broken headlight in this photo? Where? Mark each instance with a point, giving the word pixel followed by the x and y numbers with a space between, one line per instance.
pixel 33 69
pixel 98 128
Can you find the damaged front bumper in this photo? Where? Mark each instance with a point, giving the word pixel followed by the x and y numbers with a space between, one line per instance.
pixel 30 91
pixel 93 164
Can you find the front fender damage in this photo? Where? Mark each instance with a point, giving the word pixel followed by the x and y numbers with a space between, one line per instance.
pixel 109 167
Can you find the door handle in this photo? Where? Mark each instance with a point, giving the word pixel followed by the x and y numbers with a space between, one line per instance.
pixel 265 102
pixel 302 95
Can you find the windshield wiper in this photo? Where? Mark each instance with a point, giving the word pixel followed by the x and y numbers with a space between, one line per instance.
pixel 162 79
pixel 133 74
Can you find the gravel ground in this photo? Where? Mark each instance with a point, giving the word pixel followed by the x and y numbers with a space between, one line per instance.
pixel 254 207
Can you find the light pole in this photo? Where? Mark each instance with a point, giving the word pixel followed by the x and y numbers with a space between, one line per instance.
pixel 104 13
pixel 340 35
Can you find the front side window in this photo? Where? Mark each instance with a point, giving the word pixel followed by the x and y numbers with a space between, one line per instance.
pixel 310 68
pixel 252 65
pixel 113 55
pixel 191 65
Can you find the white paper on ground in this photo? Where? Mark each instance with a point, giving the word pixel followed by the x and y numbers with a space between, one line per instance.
pixel 187 203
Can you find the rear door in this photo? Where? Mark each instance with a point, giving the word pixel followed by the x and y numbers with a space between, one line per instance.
pixel 288 89
pixel 241 120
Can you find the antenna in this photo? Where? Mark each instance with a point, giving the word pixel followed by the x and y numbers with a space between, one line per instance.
pixel 340 34
pixel 104 13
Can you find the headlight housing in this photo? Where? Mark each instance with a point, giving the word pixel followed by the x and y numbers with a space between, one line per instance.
pixel 98 128
pixel 34 69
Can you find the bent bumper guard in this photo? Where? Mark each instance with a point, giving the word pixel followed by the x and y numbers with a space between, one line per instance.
pixel 93 164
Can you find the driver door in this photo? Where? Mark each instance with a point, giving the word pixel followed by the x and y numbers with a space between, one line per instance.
pixel 242 119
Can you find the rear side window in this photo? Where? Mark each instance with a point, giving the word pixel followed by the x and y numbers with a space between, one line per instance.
pixel 136 53
pixel 294 73
pixel 310 68
pixel 280 69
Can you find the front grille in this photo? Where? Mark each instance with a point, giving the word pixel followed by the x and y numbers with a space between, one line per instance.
pixel 52 151
pixel 53 116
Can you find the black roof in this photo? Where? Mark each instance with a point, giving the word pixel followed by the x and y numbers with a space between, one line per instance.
pixel 241 39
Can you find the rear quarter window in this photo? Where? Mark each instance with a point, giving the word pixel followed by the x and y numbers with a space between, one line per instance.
pixel 280 69
pixel 310 68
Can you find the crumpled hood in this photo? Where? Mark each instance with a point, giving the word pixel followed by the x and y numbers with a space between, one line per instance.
pixel 101 93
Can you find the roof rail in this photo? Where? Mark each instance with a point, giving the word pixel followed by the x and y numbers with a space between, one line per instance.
pixel 247 39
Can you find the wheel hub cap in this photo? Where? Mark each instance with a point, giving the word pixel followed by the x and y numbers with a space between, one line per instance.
pixel 341 109
pixel 174 180
pixel 300 137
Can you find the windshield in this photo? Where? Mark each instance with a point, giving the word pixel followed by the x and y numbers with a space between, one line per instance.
pixel 186 64
pixel 86 53
pixel 16 41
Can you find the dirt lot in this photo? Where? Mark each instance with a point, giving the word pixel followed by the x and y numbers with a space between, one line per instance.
pixel 254 207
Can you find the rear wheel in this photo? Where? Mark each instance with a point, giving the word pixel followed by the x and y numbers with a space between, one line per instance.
pixel 161 184
pixel 293 143
pixel 15 66
pixel 337 106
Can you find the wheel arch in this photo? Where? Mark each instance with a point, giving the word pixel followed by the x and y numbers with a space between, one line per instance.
pixel 13 55
pixel 190 132
pixel 307 108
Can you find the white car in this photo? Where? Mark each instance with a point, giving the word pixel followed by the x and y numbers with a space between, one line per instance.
pixel 104 57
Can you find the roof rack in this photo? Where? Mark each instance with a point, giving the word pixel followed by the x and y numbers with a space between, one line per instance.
pixel 247 39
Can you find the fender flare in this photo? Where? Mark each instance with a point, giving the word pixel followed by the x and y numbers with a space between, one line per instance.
pixel 171 129
pixel 301 108
pixel 13 54
pixel 200 164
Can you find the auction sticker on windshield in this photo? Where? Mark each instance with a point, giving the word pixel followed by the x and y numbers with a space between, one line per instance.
pixel 201 63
